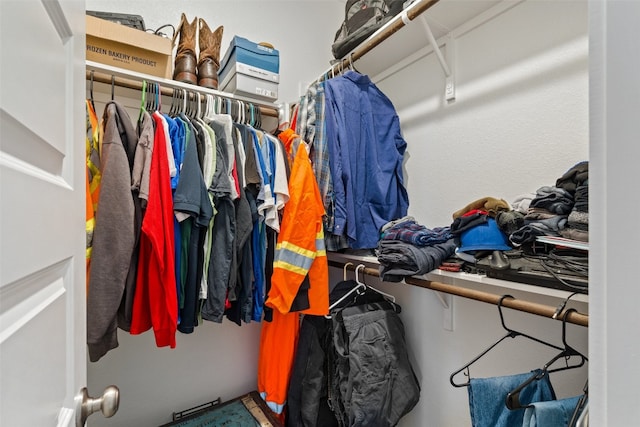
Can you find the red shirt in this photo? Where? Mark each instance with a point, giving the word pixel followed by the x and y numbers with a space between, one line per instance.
pixel 155 303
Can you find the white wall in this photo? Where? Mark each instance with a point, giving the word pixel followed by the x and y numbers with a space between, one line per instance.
pixel 520 120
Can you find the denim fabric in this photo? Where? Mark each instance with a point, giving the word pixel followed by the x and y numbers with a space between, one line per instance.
pixel 399 259
pixel 487 399
pixel 376 383
pixel 554 413
pixel 258 245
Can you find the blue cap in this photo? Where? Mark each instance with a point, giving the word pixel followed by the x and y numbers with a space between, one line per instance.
pixel 484 237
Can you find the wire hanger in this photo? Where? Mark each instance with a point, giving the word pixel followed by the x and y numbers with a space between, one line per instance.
pixel 510 334
pixel 513 397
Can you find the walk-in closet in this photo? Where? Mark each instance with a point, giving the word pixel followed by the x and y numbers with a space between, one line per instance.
pixel 495 99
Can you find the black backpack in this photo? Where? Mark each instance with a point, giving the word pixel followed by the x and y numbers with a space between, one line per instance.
pixel 361 19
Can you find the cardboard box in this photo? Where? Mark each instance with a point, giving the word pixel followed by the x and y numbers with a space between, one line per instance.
pixel 250 69
pixel 252 87
pixel 252 59
pixel 125 47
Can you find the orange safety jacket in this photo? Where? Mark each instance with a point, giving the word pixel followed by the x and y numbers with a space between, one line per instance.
pixel 300 249
pixel 299 252
pixel 92 176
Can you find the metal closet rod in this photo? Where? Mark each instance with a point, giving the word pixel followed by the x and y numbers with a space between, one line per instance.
pixel 394 25
pixel 167 91
pixel 514 303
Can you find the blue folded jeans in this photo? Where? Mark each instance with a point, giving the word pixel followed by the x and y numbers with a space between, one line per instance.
pixel 487 399
pixel 553 413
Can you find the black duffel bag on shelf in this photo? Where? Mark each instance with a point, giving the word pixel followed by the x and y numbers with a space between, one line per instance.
pixel 361 19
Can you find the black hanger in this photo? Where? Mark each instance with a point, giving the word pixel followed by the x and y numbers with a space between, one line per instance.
pixel 158 97
pixel 148 105
pixel 225 107
pixel 172 107
pixel 513 397
pixel 510 334
pixel 259 118
pixel 91 92
pixel 113 85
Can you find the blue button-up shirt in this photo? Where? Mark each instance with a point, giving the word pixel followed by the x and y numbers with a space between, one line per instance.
pixel 366 151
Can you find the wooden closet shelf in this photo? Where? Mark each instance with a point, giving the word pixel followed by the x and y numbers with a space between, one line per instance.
pixel 385 32
pixel 405 36
pixel 487 297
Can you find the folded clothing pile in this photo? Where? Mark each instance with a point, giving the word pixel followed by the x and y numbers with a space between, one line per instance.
pixel 576 180
pixel 407 248
pixel 560 210
pixel 546 216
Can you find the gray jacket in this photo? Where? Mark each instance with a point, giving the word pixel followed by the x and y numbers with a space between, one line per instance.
pixel 114 236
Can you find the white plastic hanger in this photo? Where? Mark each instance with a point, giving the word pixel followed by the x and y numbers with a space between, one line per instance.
pixel 386 295
pixel 359 289
pixel 198 105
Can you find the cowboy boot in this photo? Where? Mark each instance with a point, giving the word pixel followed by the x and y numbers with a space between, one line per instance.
pixel 185 64
pixel 209 59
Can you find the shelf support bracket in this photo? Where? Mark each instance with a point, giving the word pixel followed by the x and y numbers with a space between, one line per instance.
pixel 447 314
pixel 450 87
pixel 446 301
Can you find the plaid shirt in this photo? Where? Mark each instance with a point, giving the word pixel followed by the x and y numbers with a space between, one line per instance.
pixel 311 127
pixel 416 234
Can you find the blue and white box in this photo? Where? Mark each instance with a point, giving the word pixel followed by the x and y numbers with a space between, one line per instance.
pixel 250 69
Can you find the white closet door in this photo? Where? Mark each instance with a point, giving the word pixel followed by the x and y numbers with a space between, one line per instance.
pixel 42 238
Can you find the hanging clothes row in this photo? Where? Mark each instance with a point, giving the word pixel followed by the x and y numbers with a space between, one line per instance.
pixel 352 367
pixel 353 152
pixel 357 150
pixel 185 209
